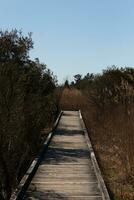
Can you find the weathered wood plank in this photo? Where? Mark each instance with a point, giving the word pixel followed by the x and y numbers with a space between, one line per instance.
pixel 66 171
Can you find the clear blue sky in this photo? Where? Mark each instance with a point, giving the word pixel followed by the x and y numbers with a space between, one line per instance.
pixel 75 36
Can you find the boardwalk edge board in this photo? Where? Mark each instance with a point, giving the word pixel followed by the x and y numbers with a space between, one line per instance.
pixel 103 188
pixel 19 192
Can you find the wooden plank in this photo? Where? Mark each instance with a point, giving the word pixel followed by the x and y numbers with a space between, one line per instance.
pixel 54 196
pixel 66 171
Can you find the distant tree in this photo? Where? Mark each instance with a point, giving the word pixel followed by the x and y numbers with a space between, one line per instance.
pixel 72 83
pixel 77 78
pixel 89 76
pixel 66 84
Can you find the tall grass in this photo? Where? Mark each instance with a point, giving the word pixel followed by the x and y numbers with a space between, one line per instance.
pixel 111 130
pixel 71 99
pixel 112 135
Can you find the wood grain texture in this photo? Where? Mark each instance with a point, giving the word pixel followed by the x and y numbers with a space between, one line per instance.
pixel 66 171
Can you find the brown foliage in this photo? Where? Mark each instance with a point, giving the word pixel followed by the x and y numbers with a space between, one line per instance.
pixel 111 131
pixel 71 99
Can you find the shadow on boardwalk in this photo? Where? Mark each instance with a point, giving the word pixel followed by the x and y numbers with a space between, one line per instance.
pixel 58 155
pixel 65 132
pixel 59 151
pixel 47 195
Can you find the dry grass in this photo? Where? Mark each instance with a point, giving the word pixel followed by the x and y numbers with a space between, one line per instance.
pixel 112 134
pixel 71 99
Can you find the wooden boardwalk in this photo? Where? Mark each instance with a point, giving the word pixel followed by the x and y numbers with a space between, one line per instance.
pixel 66 171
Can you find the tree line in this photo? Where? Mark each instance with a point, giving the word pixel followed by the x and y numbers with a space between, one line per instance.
pixel 108 111
pixel 28 103
pixel 114 86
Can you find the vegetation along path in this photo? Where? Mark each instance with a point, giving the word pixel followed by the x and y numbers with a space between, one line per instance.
pixel 67 170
